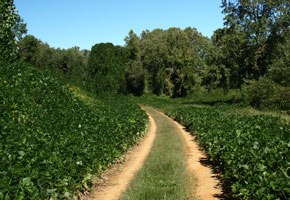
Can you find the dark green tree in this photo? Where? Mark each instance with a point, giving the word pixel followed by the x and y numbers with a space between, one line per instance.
pixel 262 22
pixel 135 77
pixel 29 48
pixel 230 52
pixel 279 69
pixel 153 53
pixel 133 45
pixel 173 59
pixel 135 73
pixel 11 26
pixel 106 69
pixel 70 63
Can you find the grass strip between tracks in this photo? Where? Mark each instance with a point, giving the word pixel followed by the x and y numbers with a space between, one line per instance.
pixel 164 174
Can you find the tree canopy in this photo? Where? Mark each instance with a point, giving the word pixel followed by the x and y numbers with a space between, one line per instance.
pixel 11 29
pixel 172 58
pixel 253 44
pixel 264 25
pixel 106 69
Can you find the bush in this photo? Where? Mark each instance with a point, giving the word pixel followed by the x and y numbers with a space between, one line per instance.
pixel 266 94
pixel 285 99
pixel 263 94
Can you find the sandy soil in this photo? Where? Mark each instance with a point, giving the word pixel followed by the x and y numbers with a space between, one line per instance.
pixel 207 185
pixel 116 180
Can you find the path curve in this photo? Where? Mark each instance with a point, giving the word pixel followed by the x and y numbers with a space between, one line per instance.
pixel 118 178
pixel 208 186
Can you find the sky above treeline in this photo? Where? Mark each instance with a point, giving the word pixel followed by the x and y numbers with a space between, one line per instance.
pixel 83 23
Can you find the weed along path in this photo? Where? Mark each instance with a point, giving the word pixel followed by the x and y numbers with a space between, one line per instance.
pixel 172 170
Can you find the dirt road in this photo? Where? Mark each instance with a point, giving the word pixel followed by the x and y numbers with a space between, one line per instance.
pixel 116 180
pixel 208 186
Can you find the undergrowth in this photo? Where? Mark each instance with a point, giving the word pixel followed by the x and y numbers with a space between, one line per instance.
pixel 52 143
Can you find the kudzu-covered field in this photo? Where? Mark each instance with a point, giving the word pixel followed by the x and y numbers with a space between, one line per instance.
pixel 252 152
pixel 52 144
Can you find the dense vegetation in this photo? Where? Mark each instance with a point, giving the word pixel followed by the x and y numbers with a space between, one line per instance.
pixel 70 63
pixel 180 63
pixel 252 152
pixel 106 69
pixel 50 141
pixel 11 28
pixel 52 144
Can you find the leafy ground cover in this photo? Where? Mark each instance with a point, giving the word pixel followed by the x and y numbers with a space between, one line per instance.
pixel 252 151
pixel 52 143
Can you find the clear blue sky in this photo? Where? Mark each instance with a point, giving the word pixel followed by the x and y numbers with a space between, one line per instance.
pixel 83 23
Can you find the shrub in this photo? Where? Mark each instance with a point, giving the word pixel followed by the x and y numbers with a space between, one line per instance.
pixel 263 94
pixel 285 99
pixel 266 94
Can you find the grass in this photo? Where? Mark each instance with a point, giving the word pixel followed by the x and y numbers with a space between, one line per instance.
pixel 164 174
pixel 203 99
pixel 213 97
pixel 85 96
pixel 252 111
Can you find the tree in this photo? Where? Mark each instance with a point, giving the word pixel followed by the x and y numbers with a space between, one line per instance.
pixel 11 26
pixel 133 45
pixel 135 74
pixel 279 69
pixel 135 77
pixel 262 22
pixel 231 57
pixel 29 48
pixel 173 59
pixel 216 76
pixel 180 61
pixel 45 56
pixel 153 53
pixel 106 69
pixel 71 63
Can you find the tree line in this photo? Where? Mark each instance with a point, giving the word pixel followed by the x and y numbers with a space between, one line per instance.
pixel 253 44
pixel 252 50
pixel 71 63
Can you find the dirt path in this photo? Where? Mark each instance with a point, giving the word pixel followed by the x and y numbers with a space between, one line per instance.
pixel 116 180
pixel 208 186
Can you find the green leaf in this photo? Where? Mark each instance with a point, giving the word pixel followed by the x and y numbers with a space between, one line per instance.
pixel 288 156
pixel 21 154
pixel 27 181
pixel 7 197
